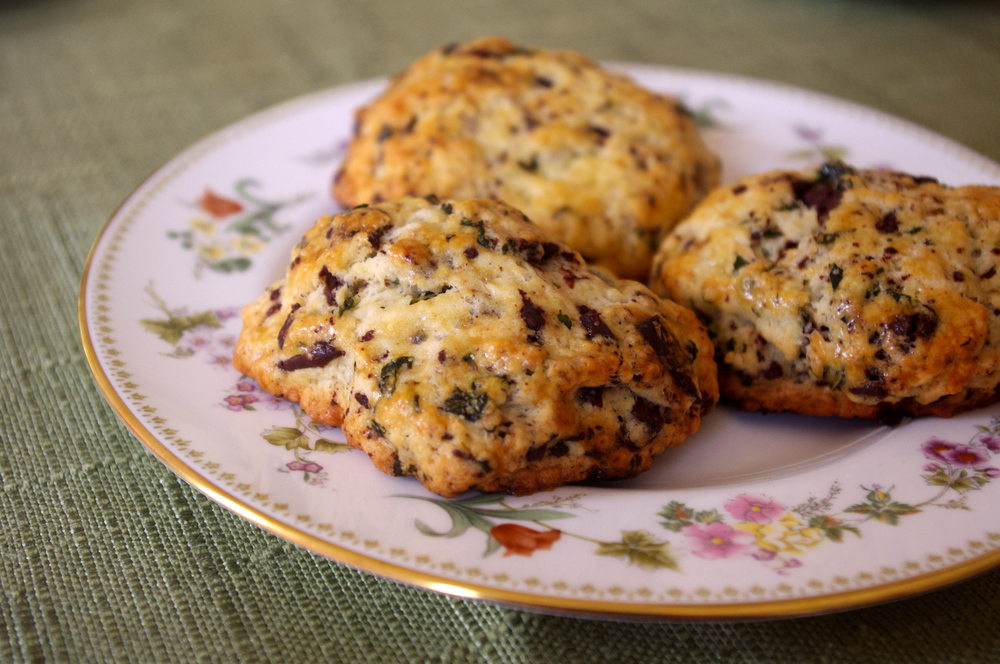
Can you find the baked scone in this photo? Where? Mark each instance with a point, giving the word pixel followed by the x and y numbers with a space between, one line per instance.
pixel 854 293
pixel 599 162
pixel 455 342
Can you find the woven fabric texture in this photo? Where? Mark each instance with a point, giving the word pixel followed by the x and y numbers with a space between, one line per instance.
pixel 105 555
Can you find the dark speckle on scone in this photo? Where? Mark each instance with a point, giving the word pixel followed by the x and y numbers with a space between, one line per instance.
pixel 602 164
pixel 517 370
pixel 836 291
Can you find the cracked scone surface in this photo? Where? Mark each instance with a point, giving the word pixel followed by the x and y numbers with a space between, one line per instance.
pixel 845 292
pixel 453 341
pixel 599 162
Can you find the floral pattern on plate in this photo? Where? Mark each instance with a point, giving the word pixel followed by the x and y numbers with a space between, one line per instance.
pixel 229 230
pixel 753 525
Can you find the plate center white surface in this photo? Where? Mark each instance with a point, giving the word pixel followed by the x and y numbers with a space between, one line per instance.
pixel 767 446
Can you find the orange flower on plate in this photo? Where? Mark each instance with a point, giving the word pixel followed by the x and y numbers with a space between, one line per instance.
pixel 523 541
pixel 217 206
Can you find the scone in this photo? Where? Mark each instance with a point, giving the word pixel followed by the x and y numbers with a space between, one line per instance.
pixel 845 292
pixel 453 341
pixel 599 162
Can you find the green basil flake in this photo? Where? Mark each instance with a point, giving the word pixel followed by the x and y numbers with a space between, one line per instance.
pixel 826 238
pixel 446 207
pixel 836 275
pixel 565 320
pixel 426 295
pixel 349 303
pixel 531 165
pixel 481 232
pixel 833 377
pixel 469 405
pixel 387 379
pixel 739 262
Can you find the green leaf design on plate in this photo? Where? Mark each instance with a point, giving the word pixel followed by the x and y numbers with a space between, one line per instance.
pixel 639 548
pixel 230 265
pixel 833 528
pixel 173 327
pixel 468 513
pixel 881 507
pixel 288 437
pixel 326 445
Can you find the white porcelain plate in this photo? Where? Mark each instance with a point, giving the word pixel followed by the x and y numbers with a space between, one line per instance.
pixel 754 516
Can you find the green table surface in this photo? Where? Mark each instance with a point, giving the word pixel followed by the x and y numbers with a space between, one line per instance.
pixel 105 555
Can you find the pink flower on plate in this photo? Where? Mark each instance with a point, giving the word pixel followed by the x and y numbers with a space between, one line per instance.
pixel 237 402
pixel 992 443
pixel 228 341
pixel 935 448
pixel 716 540
pixel 305 466
pixel 811 134
pixel 965 456
pixel 753 508
pixel 227 313
pixel 197 340
pixel 221 361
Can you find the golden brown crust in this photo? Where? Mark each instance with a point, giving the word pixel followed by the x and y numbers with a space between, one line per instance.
pixel 455 342
pixel 844 292
pixel 600 163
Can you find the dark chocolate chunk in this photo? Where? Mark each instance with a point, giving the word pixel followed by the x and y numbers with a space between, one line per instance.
pixel 874 389
pixel 320 355
pixel 648 413
pixel 532 315
pixel 592 395
pixel 536 253
pixel 331 283
pixel 283 332
pixel 592 323
pixel 913 326
pixel 887 224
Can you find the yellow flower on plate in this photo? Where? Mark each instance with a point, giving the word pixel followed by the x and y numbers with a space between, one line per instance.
pixel 789 534
pixel 246 245
pixel 202 225
pixel 212 251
